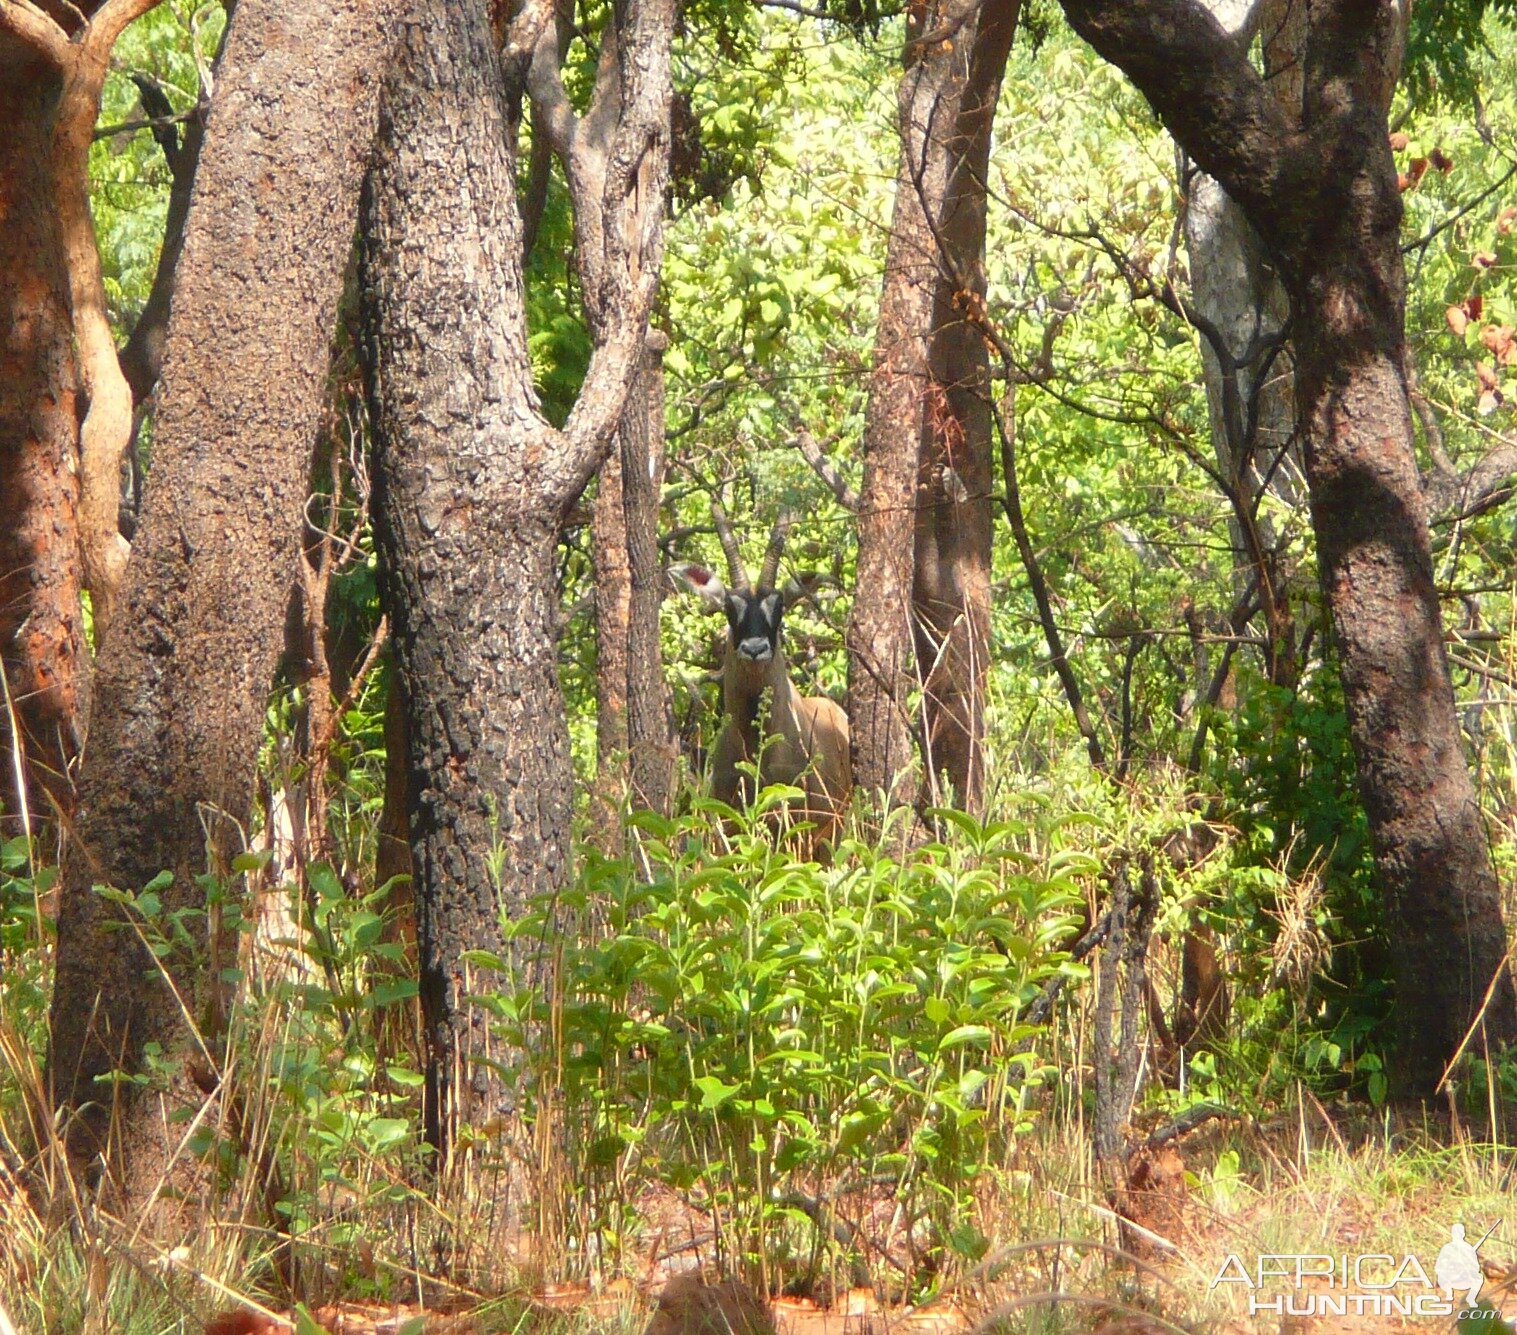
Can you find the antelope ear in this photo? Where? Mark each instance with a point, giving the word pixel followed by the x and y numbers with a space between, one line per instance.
pixel 699 580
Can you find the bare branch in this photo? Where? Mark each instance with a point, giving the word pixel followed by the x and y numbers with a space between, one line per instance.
pixel 822 465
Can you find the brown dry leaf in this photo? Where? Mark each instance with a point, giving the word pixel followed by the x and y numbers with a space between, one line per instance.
pixel 1458 320
pixel 1505 219
pixel 1482 259
pixel 1498 338
pixel 1441 161
pixel 1490 400
pixel 1403 182
pixel 1400 140
pixel 1487 376
pixel 1474 305
pixel 1416 169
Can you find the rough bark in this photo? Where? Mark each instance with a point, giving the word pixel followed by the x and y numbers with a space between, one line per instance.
pixel 77 48
pixel 182 688
pixel 42 647
pixel 631 696
pixel 1320 189
pixel 640 440
pixel 142 354
pixel 879 635
pixel 470 486
pixel 613 611
pixel 955 526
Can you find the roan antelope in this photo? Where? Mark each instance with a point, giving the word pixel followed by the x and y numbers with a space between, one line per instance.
pixel 804 739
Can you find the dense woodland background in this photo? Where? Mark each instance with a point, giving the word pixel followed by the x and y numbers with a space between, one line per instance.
pixel 372 944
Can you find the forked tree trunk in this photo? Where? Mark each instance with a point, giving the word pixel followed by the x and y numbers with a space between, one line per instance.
pixel 470 483
pixel 1322 193
pixel 634 740
pixel 43 653
pixel 955 525
pixel 183 687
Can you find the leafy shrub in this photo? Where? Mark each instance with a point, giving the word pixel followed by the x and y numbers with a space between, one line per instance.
pixel 763 1032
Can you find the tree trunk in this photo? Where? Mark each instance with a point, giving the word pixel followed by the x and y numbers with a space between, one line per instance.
pixel 1321 192
pixel 1243 310
pixel 636 755
pixel 1432 853
pixel 955 526
pixel 631 695
pixel 650 740
pixel 879 636
pixel 613 612
pixel 182 688
pixel 43 653
pixel 470 483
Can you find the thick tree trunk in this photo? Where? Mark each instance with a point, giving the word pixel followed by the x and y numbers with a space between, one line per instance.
pixel 880 637
pixel 469 488
pixel 1322 194
pixel 955 527
pixel 1432 853
pixel 182 688
pixel 43 653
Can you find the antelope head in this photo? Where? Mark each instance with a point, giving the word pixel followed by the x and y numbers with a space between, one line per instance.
pixel 802 740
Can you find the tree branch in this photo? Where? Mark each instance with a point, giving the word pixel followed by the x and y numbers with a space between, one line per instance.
pixel 822 465
pixel 34 28
pixel 1205 90
pixel 110 22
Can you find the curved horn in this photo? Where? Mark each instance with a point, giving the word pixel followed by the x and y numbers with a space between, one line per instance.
pixel 736 572
pixel 776 548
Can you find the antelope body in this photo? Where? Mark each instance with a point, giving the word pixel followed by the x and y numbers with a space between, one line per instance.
pixel 795 739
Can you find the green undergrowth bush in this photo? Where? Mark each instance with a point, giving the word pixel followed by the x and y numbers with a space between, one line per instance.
pixel 766 1034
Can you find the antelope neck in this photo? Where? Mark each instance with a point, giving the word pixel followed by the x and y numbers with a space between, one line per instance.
pixel 743 685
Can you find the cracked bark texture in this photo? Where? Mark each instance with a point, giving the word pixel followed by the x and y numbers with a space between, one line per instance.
pixel 43 652
pixel 182 689
pixel 880 636
pixel 470 487
pixel 634 739
pixel 1318 184
pixel 634 745
pixel 955 523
